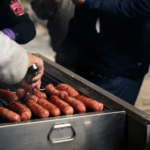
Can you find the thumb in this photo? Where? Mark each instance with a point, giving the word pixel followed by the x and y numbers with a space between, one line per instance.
pixel 24 83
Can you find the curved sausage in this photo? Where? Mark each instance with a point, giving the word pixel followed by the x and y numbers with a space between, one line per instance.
pixel 32 97
pixel 90 103
pixel 21 109
pixel 8 96
pixel 53 110
pixel 70 90
pixel 20 93
pixel 39 94
pixel 63 106
pixel 76 104
pixel 50 89
pixel 37 109
pixel 9 115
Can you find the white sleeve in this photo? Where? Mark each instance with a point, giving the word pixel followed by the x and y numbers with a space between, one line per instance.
pixel 13 60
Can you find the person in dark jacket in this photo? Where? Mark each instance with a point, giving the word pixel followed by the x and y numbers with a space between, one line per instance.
pixel 58 16
pixel 15 23
pixel 116 56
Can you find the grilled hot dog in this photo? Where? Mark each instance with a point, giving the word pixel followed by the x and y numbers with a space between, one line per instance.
pixel 76 104
pixel 39 94
pixel 22 110
pixel 20 93
pixel 32 97
pixel 50 89
pixel 8 96
pixel 63 106
pixel 53 110
pixel 90 103
pixel 9 115
pixel 37 109
pixel 70 90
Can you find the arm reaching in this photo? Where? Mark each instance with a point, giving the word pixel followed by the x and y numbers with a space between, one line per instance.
pixel 15 61
pixel 36 81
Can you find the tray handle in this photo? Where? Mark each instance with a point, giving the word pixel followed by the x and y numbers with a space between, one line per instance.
pixel 61 126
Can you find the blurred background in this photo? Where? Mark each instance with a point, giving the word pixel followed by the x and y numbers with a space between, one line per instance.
pixel 42 44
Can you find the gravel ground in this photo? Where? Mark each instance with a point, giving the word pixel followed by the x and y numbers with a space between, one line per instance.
pixel 143 100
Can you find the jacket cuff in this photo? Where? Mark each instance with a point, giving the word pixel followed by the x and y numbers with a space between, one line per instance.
pixel 9 33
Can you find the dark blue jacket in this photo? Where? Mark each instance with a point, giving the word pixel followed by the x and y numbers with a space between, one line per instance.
pixel 21 25
pixel 122 47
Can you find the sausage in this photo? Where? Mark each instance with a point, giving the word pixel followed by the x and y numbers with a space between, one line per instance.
pixel 39 94
pixel 50 89
pixel 8 96
pixel 63 106
pixel 76 104
pixel 32 97
pixel 9 115
pixel 70 90
pixel 20 93
pixel 21 109
pixel 53 110
pixel 90 103
pixel 38 110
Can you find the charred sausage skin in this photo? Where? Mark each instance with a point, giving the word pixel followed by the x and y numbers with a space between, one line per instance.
pixel 53 110
pixel 90 103
pixel 63 106
pixel 76 104
pixel 70 90
pixel 8 96
pixel 21 109
pixel 9 115
pixel 38 110
pixel 50 89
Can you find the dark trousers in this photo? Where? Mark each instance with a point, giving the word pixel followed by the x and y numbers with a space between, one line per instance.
pixel 71 57
pixel 124 88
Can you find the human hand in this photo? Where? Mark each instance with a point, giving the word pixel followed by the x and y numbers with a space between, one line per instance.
pixel 36 81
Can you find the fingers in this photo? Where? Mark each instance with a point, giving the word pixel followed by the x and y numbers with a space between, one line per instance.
pixel 40 65
pixel 40 74
pixel 24 83
pixel 36 85
pixel 39 62
pixel 35 60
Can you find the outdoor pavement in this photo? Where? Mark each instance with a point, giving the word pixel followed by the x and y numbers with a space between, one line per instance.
pixel 143 100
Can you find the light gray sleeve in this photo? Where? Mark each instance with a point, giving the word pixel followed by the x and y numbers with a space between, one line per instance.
pixel 13 60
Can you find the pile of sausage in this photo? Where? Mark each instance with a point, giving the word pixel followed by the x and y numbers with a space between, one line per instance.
pixel 63 99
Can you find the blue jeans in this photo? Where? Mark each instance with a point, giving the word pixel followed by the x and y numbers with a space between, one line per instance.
pixel 124 88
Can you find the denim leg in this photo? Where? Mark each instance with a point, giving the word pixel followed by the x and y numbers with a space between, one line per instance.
pixel 124 88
